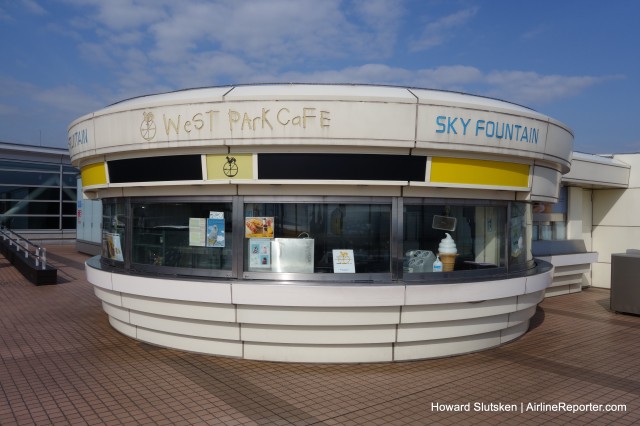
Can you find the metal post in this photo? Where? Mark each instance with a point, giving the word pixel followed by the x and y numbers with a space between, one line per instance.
pixel 44 258
pixel 37 256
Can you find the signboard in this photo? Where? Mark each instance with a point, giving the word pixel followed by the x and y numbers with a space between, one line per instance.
pixel 344 262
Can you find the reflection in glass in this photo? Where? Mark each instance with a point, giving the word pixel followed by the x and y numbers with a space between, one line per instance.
pixel 114 221
pixel 174 235
pixel 477 231
pixel 363 228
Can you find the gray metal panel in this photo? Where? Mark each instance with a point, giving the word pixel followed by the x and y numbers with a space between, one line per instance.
pixel 625 285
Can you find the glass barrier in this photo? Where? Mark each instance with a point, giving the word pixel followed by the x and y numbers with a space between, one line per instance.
pixel 192 235
pixel 452 237
pixel 114 222
pixel 317 238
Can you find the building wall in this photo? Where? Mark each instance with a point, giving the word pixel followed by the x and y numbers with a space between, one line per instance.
pixel 38 192
pixel 616 222
pixel 579 221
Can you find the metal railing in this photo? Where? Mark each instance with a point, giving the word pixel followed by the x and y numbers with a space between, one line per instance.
pixel 32 251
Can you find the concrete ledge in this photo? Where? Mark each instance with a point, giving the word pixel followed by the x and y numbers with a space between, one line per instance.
pixel 370 323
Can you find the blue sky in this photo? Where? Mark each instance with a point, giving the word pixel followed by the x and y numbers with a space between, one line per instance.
pixel 577 61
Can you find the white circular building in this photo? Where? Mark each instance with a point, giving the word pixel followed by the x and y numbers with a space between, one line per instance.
pixel 302 222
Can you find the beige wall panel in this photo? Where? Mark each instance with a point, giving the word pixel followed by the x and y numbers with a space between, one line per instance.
pixel 448 329
pixel 559 142
pixel 111 297
pixel 514 332
pixel 530 299
pixel 634 161
pixel 321 92
pixel 124 328
pixel 192 344
pixel 247 293
pixel 348 335
pixel 195 291
pixel 608 240
pixel 464 292
pixel 601 275
pixel 187 327
pixel 99 278
pixel 593 172
pixel 313 316
pixel 616 207
pixel 536 283
pixel 587 218
pixel 444 347
pixel 518 317
pixel 180 309
pixel 117 312
pixel 318 353
pixel 457 311
pixel 545 184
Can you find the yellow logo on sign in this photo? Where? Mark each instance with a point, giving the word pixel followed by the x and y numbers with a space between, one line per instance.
pixel 232 166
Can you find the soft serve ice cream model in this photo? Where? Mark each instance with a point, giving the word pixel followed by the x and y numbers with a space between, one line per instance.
pixel 447 252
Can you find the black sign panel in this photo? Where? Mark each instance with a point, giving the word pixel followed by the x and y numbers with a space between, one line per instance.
pixel 342 167
pixel 154 169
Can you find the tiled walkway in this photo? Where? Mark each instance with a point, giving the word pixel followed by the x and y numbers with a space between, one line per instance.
pixel 61 363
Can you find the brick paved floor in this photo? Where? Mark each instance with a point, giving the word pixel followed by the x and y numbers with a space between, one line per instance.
pixel 63 364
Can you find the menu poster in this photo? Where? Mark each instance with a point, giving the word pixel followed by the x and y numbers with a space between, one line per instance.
pixel 343 262
pixel 114 247
pixel 197 235
pixel 215 232
pixel 259 253
pixel 258 227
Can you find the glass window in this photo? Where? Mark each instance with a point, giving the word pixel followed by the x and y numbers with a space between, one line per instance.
pixel 305 237
pixel 30 193
pixel 114 220
pixel 69 194
pixel 30 222
pixel 190 235
pixel 30 207
pixel 520 255
pixel 29 178
pixel 476 231
pixel 69 222
pixel 23 165
pixel 70 180
pixel 69 208
pixel 550 219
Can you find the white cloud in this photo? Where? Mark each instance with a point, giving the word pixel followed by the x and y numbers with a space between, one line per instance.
pixel 33 7
pixel 66 99
pixel 532 88
pixel 437 32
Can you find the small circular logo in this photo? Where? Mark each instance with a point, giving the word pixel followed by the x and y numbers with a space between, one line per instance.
pixel 148 126
pixel 230 168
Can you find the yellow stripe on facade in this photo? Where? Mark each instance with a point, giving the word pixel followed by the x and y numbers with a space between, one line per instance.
pixel 479 172
pixel 93 174
pixel 229 166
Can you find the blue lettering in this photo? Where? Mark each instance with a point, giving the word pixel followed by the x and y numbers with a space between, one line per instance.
pixel 499 134
pixel 508 131
pixel 534 136
pixel 464 125
pixel 479 126
pixel 518 127
pixel 451 125
pixel 525 137
pixel 492 125
pixel 439 123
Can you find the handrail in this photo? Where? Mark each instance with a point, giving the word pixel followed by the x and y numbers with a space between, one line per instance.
pixel 30 249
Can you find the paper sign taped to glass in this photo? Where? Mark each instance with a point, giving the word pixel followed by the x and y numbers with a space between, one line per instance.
pixel 292 255
pixel 344 262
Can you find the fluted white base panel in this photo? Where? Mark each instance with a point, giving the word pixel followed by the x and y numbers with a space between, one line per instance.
pixel 323 324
